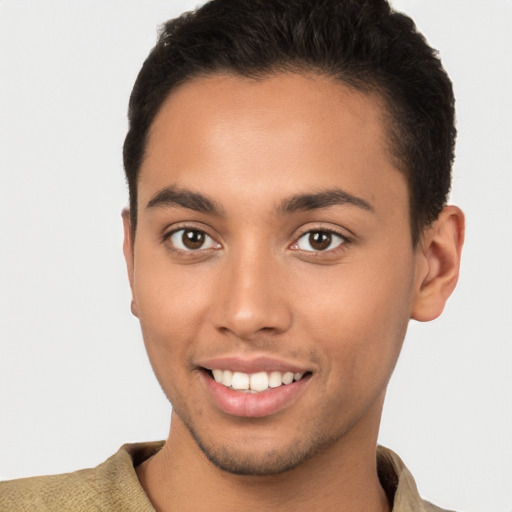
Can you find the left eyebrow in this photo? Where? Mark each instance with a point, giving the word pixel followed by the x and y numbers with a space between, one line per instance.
pixel 322 199
pixel 178 197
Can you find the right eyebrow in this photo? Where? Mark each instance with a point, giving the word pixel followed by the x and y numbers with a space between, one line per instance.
pixel 184 198
pixel 322 199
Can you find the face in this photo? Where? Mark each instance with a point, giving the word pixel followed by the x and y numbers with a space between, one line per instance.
pixel 272 269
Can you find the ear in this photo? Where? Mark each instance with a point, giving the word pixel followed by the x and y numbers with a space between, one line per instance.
pixel 128 251
pixel 438 263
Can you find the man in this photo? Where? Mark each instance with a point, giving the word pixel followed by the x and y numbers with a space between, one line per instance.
pixel 288 166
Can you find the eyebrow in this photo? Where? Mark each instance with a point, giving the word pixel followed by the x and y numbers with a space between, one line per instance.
pixel 322 199
pixel 173 196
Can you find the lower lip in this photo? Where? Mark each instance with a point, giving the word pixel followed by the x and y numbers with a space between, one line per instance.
pixel 254 405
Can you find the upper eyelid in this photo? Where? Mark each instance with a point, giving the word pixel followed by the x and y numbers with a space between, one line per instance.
pixel 190 225
pixel 345 238
pixel 330 231
pixel 188 253
pixel 343 233
pixel 187 226
pixel 326 254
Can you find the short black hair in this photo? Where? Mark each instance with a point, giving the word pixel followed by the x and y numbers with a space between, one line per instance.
pixel 364 44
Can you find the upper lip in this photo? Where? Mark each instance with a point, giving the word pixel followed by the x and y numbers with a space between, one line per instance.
pixel 252 365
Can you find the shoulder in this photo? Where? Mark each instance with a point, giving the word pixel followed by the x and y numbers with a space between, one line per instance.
pixel 113 485
pixel 399 484
pixel 68 491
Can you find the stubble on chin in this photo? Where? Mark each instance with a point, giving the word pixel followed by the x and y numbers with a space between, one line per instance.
pixel 250 461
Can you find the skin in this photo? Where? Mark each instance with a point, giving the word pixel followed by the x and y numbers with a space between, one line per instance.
pixel 259 288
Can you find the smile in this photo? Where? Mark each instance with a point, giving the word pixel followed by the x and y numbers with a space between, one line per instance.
pixel 256 382
pixel 257 388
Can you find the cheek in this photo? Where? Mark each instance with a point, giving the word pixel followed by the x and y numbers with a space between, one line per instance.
pixel 170 304
pixel 360 321
pixel 166 294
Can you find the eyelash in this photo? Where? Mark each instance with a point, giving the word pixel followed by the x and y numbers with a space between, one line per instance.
pixel 344 242
pixel 167 238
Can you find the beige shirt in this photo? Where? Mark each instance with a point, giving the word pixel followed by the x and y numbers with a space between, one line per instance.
pixel 113 486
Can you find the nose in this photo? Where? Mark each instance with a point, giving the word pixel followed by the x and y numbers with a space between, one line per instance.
pixel 252 296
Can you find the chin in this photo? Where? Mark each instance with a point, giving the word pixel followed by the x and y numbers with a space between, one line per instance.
pixel 260 464
pixel 247 457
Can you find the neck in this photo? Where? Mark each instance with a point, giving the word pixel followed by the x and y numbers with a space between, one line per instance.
pixel 343 477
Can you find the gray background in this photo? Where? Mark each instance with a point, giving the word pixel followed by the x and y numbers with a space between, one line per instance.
pixel 75 383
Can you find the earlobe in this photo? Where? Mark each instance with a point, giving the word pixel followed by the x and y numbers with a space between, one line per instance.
pixel 438 264
pixel 128 251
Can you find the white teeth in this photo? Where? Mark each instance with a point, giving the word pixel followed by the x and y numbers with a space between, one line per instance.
pixel 255 382
pixel 275 379
pixel 288 378
pixel 259 381
pixel 227 378
pixel 240 381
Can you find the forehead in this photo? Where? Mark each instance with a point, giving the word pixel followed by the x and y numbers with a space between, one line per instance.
pixel 290 130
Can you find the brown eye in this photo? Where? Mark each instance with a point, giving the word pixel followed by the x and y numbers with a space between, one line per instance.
pixel 318 241
pixel 192 240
